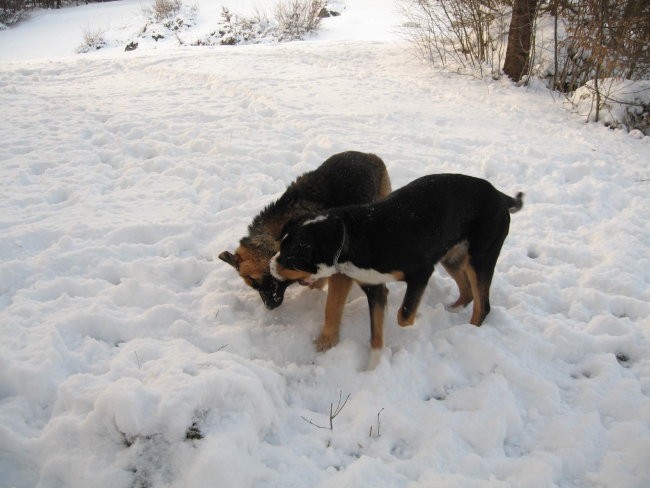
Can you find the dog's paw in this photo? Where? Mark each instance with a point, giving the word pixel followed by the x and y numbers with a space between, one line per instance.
pixel 325 342
pixel 318 284
pixel 374 359
pixel 454 307
pixel 405 321
pixel 458 305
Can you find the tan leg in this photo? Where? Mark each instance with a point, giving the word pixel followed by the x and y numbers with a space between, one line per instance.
pixel 457 272
pixel 337 292
pixel 478 290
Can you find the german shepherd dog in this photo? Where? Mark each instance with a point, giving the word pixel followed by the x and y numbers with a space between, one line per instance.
pixel 346 178
pixel 458 220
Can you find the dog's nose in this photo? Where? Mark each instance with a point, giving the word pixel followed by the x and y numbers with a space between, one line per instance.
pixel 271 301
pixel 271 305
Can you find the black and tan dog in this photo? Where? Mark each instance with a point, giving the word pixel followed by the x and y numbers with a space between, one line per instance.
pixel 346 178
pixel 458 220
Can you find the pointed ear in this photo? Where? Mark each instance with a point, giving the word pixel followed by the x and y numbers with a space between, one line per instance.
pixel 293 223
pixel 232 259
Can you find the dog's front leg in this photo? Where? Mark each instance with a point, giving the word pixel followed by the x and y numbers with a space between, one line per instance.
pixel 414 289
pixel 377 297
pixel 337 291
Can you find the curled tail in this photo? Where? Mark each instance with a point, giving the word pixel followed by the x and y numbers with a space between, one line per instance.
pixel 515 204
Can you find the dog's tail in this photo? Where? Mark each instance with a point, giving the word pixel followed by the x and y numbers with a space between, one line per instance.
pixel 515 204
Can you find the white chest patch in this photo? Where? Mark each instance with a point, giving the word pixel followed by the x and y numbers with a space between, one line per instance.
pixel 324 271
pixel 365 276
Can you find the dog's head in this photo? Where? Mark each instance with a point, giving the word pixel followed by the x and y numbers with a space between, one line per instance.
pixel 308 249
pixel 252 264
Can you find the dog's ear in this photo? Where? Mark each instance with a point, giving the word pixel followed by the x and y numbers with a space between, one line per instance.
pixel 230 258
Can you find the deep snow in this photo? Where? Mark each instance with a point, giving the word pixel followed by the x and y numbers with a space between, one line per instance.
pixel 130 356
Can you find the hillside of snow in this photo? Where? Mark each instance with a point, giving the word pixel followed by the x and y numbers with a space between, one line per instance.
pixel 130 356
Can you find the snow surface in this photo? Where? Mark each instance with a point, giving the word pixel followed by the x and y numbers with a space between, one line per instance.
pixel 130 356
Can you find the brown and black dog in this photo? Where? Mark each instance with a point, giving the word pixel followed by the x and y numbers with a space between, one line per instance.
pixel 458 220
pixel 346 178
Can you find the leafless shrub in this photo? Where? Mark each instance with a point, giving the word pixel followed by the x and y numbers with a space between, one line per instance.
pixel 161 10
pixel 464 34
pixel 93 39
pixel 604 39
pixel 297 18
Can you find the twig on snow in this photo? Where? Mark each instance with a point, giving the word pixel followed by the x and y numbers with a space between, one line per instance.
pixel 333 412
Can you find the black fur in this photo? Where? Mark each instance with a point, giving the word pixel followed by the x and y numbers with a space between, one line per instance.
pixel 448 217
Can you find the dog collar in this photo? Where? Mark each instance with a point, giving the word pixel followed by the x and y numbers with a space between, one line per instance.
pixel 340 249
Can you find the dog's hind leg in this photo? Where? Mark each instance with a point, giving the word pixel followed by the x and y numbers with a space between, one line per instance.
pixel 457 271
pixel 480 270
pixel 480 294
pixel 337 292
pixel 377 298
pixel 414 289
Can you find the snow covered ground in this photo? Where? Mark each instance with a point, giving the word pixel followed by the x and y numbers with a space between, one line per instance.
pixel 131 357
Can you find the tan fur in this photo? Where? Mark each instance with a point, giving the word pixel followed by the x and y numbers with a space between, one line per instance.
pixel 478 312
pixel 405 321
pixel 455 263
pixel 399 276
pixel 385 187
pixel 338 288
pixel 377 332
pixel 251 264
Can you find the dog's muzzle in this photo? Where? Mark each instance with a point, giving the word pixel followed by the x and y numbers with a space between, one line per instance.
pixel 272 291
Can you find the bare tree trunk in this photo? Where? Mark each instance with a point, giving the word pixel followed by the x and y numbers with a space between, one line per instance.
pixel 519 39
pixel 555 60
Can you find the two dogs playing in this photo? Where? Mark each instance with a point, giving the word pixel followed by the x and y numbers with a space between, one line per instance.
pixel 340 222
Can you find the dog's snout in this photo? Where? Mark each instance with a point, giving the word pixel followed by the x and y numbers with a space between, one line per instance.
pixel 272 292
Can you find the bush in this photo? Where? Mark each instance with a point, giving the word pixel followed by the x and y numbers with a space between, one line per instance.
pixel 297 18
pixel 601 39
pixel 162 10
pixel 291 20
pixel 459 34
pixel 11 14
pixel 237 30
pixel 93 39
pixel 167 18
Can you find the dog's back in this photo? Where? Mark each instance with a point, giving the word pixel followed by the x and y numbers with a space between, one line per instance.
pixel 434 212
pixel 347 178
